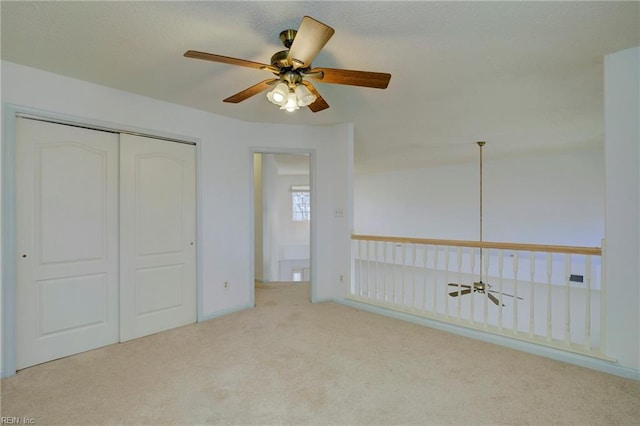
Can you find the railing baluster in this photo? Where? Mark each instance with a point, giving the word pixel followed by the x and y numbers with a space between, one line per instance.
pixel 567 308
pixel 486 274
pixel 472 265
pixel 532 271
pixel 393 289
pixel 360 268
pixel 549 303
pixel 403 301
pixel 375 270
pixel 587 314
pixel 603 298
pixel 363 271
pixel 434 302
pixel 459 265
pixel 446 278
pixel 424 278
pixel 500 277
pixel 515 292
pixel 384 271
pixel 353 287
pixel 368 269
pixel 356 268
pixel 413 276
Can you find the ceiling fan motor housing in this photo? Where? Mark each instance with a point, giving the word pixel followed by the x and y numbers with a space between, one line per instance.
pixel 280 59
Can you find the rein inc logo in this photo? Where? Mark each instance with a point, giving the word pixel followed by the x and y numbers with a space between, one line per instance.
pixel 14 420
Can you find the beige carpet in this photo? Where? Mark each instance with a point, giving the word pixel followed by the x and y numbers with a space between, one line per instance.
pixel 290 362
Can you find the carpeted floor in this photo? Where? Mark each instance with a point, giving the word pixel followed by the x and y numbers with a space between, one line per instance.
pixel 291 362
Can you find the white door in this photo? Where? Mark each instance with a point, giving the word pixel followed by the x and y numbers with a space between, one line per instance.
pixel 157 236
pixel 67 240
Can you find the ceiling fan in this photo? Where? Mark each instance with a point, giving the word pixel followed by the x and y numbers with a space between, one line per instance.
pixel 480 286
pixel 292 68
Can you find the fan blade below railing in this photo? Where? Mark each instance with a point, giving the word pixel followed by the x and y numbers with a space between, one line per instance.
pixel 506 294
pixel 493 299
pixel 461 293
pixel 459 285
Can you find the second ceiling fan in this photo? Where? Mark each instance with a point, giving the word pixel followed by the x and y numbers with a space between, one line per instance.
pixel 480 286
pixel 292 67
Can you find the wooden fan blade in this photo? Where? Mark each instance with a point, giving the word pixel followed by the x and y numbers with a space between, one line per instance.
pixel 461 293
pixel 228 60
pixel 376 80
pixel 309 40
pixel 319 104
pixel 493 299
pixel 250 91
pixel 459 285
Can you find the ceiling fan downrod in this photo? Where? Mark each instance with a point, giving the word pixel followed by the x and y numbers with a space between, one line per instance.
pixel 287 36
pixel 481 144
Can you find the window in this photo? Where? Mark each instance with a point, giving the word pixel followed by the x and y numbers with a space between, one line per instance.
pixel 301 203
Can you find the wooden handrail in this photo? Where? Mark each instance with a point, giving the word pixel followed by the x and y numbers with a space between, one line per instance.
pixel 597 251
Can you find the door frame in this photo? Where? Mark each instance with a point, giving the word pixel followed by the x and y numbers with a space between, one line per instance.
pixel 8 208
pixel 312 226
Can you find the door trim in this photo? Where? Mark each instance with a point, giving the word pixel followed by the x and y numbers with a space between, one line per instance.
pixel 312 226
pixel 8 206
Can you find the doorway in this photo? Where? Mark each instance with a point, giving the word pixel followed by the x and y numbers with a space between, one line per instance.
pixel 283 217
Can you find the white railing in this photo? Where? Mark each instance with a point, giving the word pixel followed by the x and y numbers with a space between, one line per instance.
pixel 545 294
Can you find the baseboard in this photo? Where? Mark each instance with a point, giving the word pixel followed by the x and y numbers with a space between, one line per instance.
pixel 224 312
pixel 556 354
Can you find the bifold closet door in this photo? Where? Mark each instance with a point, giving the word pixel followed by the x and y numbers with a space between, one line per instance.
pixel 67 240
pixel 157 236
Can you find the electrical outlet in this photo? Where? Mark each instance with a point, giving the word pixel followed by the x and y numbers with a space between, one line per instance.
pixel 576 278
pixel 226 285
pixel 341 278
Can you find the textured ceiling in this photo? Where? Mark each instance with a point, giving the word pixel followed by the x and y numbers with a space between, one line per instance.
pixel 525 76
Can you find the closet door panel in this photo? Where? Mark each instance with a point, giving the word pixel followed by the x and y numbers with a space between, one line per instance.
pixel 67 240
pixel 157 250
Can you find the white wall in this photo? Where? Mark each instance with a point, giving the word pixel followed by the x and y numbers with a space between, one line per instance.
pixel 258 218
pixel 332 164
pixel 622 225
pixel 225 170
pixel 544 199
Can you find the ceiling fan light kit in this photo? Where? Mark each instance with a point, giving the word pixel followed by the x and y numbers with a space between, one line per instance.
pixel 291 99
pixel 279 94
pixel 292 66
pixel 291 103
pixel 305 97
